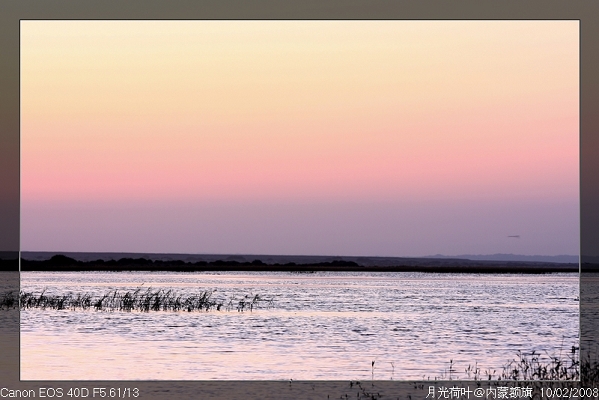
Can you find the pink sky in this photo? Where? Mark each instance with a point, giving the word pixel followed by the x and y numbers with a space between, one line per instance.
pixel 261 136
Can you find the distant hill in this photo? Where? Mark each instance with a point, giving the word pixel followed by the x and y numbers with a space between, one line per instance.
pixel 512 257
pixel 70 261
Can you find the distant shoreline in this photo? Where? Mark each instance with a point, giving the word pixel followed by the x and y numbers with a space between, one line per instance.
pixel 305 264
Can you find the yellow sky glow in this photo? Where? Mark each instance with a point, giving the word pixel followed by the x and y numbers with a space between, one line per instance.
pixel 295 109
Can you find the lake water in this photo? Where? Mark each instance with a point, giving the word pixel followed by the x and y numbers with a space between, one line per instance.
pixel 323 325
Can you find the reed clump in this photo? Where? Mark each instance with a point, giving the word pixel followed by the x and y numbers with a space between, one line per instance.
pixel 589 371
pixel 531 366
pixel 9 300
pixel 248 303
pixel 534 366
pixel 139 300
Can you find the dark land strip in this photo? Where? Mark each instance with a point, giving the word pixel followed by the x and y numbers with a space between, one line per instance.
pixel 303 264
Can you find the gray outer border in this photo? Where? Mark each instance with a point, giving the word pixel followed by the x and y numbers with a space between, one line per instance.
pixel 12 11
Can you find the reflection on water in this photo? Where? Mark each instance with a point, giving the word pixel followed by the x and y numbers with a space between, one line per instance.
pixel 325 325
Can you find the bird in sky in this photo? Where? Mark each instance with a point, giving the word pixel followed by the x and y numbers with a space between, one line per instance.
pixel 514 236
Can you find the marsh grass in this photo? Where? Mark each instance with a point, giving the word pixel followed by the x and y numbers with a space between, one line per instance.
pixel 9 300
pixel 362 392
pixel 137 300
pixel 589 371
pixel 534 366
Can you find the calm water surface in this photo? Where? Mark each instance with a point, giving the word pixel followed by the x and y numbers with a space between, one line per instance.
pixel 324 325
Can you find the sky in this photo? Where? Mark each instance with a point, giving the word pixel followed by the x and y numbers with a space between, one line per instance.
pixel 363 138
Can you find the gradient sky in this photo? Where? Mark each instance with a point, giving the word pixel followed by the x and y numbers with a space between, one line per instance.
pixel 388 138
